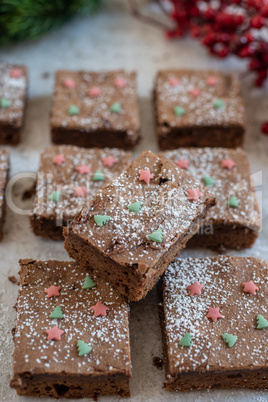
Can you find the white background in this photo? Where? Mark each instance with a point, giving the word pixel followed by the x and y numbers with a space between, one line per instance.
pixel 110 40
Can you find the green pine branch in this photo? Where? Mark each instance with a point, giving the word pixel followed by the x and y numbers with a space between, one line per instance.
pixel 29 19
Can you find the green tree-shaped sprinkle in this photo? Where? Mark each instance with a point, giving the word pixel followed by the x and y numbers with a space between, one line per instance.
pixel 186 340
pixel 73 110
pixel 100 220
pixel 115 107
pixel 229 339
pixel 98 176
pixel 135 207
pixel 88 283
pixel 233 202
pixel 5 103
pixel 156 236
pixel 218 103
pixel 179 111
pixel 57 313
pixel 262 323
pixel 83 348
pixel 208 181
pixel 55 196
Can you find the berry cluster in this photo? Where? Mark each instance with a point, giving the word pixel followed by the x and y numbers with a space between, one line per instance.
pixel 227 27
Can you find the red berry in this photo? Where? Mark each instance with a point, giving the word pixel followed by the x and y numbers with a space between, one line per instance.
pixel 256 4
pixel 246 51
pixel 170 34
pixel 194 11
pixel 209 14
pixel 254 64
pixel 223 19
pixel 264 11
pixel 178 32
pixel 174 15
pixel 265 58
pixel 225 32
pixel 264 128
pixel 263 47
pixel 195 31
pixel 223 52
pixel 224 37
pixel 257 22
pixel 238 19
pixel 247 38
pixel 206 28
pixel 262 75
pixel 209 39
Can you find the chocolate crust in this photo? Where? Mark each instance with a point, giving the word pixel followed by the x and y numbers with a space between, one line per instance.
pixel 201 125
pixel 225 237
pixel 70 387
pixel 95 139
pixel 228 137
pixel 15 91
pixel 225 227
pixel 4 172
pixel 9 135
pixel 53 368
pixel 47 217
pixel 95 125
pixel 126 258
pixel 212 364
pixel 130 280
pixel 47 228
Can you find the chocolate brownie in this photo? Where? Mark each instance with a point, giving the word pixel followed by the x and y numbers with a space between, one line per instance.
pixel 214 321
pixel 72 334
pixel 198 109
pixel 68 178
pixel 136 225
pixel 235 220
pixel 13 92
pixel 4 169
pixel 93 109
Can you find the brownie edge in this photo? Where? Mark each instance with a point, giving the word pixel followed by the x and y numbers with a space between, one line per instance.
pixel 49 366
pixel 74 178
pixel 227 174
pixel 198 108
pixel 204 300
pixel 122 251
pixel 13 94
pixel 95 109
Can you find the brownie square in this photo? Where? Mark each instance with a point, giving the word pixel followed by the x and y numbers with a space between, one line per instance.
pixel 214 321
pixel 235 221
pixel 95 109
pixel 4 170
pixel 13 92
pixel 198 108
pixel 136 225
pixel 68 178
pixel 72 334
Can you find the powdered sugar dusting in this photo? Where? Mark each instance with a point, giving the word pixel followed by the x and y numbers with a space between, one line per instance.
pixel 14 90
pixel 237 181
pixel 4 166
pixel 199 109
pixel 108 335
pixel 164 206
pixel 95 112
pixel 65 178
pixel 222 279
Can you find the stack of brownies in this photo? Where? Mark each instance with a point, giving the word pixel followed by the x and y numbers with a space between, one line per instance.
pixel 125 224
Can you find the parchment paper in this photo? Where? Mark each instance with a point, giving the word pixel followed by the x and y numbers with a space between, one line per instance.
pixel 113 39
